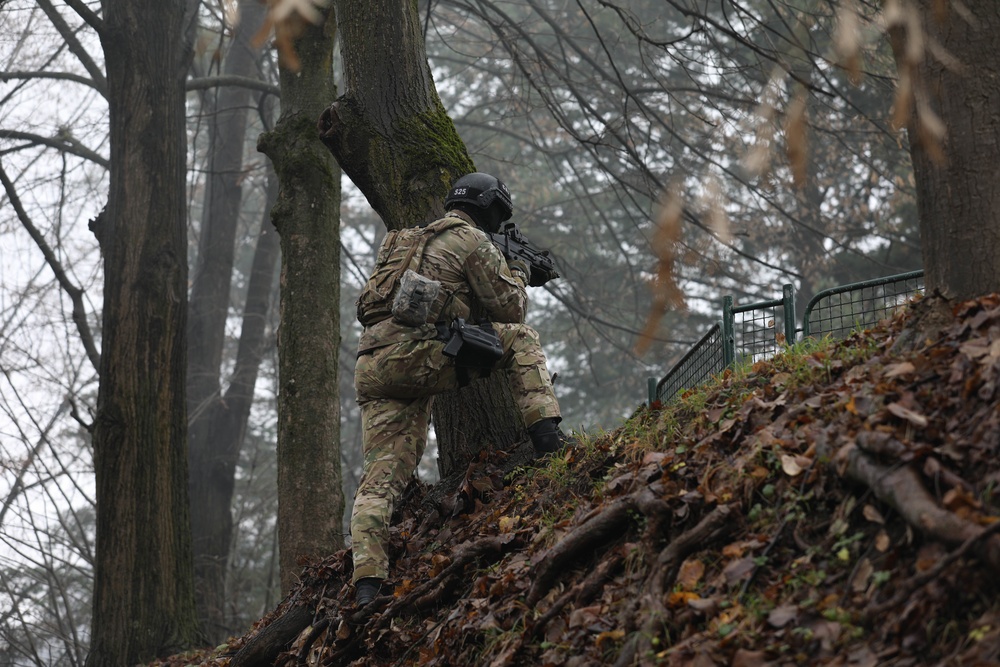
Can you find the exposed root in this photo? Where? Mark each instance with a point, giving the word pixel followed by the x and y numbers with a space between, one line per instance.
pixel 662 575
pixel 599 529
pixel 902 488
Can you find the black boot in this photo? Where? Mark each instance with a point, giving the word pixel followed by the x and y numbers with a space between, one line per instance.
pixel 366 589
pixel 546 436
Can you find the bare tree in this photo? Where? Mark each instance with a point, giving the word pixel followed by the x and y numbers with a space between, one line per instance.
pixel 143 578
pixel 306 216
pixel 217 418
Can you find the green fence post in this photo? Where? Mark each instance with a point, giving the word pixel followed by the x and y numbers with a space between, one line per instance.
pixel 728 333
pixel 788 302
pixel 651 389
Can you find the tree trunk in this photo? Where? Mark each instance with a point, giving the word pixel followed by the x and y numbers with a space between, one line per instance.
pixel 217 426
pixel 307 215
pixel 392 136
pixel 958 197
pixel 143 581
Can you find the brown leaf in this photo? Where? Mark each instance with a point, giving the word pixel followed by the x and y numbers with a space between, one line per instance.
pixel 862 576
pixel 666 293
pixel 745 658
pixel 902 368
pixel 796 138
pixel 690 574
pixel 783 615
pixel 872 514
pixel 882 541
pixel 585 616
pixel 738 569
pixel 909 415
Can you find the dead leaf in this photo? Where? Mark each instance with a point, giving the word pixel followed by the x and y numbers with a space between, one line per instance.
pixel 585 616
pixel 792 465
pixel 902 368
pixel 797 137
pixel 681 598
pixel 690 574
pixel 738 569
pixel 508 523
pixel 909 415
pixel 872 514
pixel 745 658
pixel 862 576
pixel 882 541
pixel 608 636
pixel 783 615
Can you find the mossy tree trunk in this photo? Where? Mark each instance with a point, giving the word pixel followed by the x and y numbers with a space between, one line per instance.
pixel 958 194
pixel 143 579
pixel 393 138
pixel 307 217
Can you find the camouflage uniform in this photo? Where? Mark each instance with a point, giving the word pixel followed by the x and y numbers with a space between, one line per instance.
pixel 400 369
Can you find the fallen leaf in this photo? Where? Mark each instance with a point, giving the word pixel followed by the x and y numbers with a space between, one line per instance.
pixel 690 573
pixel 738 569
pixel 745 658
pixel 872 514
pixel 584 616
pixel 909 415
pixel 882 541
pixel 902 368
pixel 790 465
pixel 783 615
pixel 681 598
pixel 862 576
pixel 508 523
pixel 608 636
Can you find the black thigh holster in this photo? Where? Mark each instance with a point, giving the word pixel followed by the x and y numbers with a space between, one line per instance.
pixel 474 347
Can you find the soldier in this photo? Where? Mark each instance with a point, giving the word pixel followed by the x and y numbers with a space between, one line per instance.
pixel 416 343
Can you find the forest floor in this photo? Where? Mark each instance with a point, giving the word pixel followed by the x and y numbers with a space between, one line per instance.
pixel 832 506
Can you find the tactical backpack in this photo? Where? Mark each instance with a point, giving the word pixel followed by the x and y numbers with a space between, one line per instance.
pixel 401 250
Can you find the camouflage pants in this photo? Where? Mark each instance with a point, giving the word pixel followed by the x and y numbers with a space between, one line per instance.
pixel 395 387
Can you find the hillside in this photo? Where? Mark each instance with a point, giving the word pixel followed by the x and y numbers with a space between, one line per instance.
pixel 833 506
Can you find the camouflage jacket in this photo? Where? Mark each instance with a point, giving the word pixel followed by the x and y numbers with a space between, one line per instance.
pixel 474 277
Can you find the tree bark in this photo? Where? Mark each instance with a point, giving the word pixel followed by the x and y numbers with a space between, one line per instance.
pixel 307 215
pixel 958 198
pixel 217 425
pixel 393 138
pixel 143 580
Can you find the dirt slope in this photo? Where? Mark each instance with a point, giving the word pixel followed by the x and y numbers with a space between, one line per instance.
pixel 833 506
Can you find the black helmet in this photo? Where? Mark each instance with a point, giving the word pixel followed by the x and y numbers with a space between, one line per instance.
pixel 481 190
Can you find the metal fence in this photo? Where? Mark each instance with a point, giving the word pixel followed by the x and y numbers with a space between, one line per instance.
pixel 758 331
pixel 705 359
pixel 840 310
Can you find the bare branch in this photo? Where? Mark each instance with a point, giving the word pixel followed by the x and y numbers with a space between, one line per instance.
pixel 62 142
pixel 75 47
pixel 75 293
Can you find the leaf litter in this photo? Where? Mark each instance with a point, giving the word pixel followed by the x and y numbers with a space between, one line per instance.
pixel 832 506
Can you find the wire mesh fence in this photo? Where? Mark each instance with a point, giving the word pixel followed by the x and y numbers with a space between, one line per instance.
pixel 840 310
pixel 705 359
pixel 758 331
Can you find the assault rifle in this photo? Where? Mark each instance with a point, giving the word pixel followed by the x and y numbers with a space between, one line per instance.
pixel 514 245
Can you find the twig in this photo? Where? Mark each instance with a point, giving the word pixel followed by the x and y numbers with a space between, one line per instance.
pixel 923 578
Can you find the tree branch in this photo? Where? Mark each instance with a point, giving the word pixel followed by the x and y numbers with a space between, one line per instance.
pixel 75 293
pixel 202 83
pixel 64 143
pixel 75 47
pixel 88 15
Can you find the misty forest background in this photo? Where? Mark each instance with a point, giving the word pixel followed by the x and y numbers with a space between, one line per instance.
pixel 767 127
